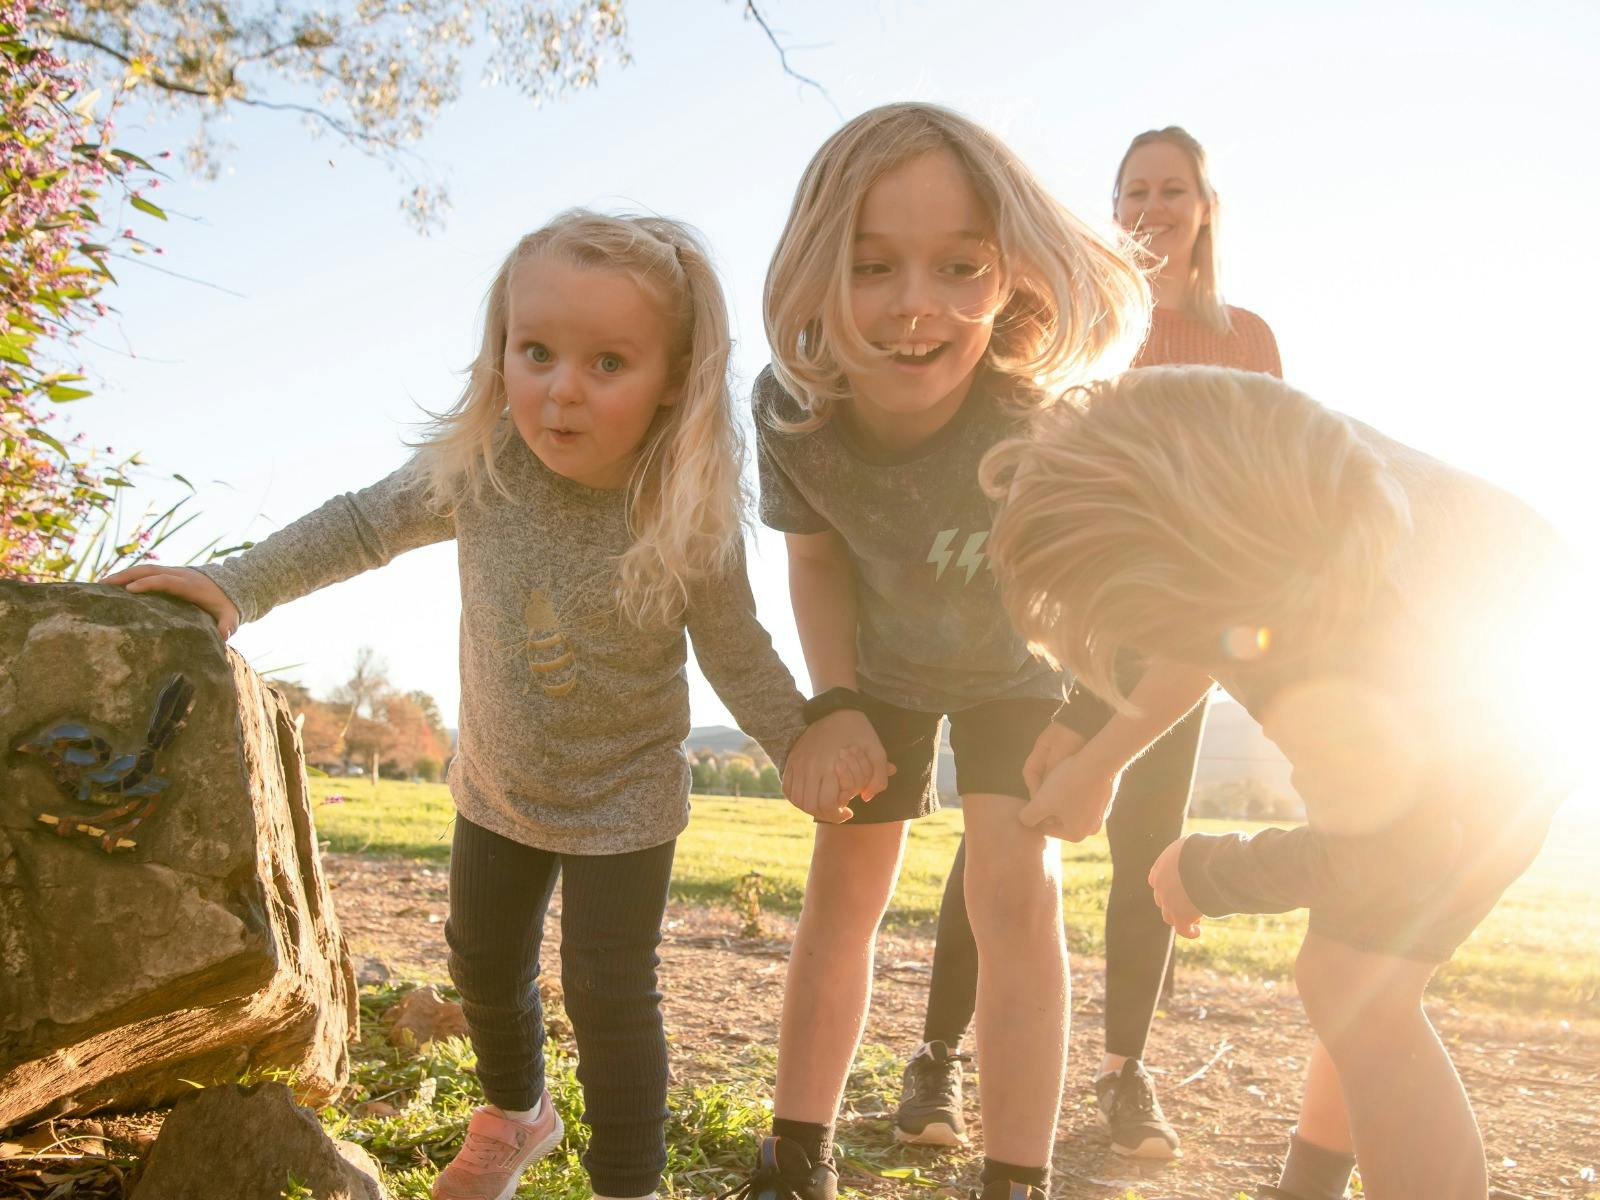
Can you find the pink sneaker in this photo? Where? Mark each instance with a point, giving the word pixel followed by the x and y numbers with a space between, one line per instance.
pixel 491 1160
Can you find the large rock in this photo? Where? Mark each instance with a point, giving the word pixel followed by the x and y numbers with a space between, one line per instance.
pixel 246 1144
pixel 203 943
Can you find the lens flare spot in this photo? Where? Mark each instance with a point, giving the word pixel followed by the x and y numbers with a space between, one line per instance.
pixel 1246 643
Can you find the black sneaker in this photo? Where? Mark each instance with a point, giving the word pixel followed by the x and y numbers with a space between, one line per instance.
pixel 1265 1192
pixel 1008 1189
pixel 784 1172
pixel 930 1099
pixel 1129 1111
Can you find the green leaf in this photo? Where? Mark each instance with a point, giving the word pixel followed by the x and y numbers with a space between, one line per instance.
pixel 40 435
pixel 145 206
pixel 62 395
pixel 130 156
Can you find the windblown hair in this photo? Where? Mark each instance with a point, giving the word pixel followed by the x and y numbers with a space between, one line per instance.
pixel 686 500
pixel 1163 511
pixel 1203 297
pixel 1073 305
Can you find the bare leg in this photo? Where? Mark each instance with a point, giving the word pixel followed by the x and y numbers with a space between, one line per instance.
pixel 1323 1118
pixel 853 872
pixel 1413 1127
pixel 1014 898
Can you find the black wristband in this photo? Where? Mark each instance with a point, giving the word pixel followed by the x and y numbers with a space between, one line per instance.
pixel 835 699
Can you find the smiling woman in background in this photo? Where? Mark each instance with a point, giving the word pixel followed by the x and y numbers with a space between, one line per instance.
pixel 1163 197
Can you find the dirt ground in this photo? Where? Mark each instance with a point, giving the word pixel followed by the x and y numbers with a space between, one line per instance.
pixel 1230 1052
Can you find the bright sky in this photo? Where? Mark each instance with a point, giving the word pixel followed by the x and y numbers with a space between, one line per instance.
pixel 1407 202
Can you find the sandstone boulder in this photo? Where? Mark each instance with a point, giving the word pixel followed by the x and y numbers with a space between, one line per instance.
pixel 194 944
pixel 248 1143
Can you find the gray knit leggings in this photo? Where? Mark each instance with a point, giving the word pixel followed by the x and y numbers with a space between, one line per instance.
pixel 611 910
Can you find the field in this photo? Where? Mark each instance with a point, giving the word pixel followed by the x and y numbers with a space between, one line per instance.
pixel 1517 1011
pixel 1228 1046
pixel 1537 952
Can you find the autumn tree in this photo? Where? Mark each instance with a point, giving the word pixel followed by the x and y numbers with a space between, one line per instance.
pixel 430 713
pixel 413 738
pixel 369 741
pixel 322 729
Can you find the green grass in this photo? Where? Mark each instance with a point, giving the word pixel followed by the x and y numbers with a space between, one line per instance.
pixel 711 1130
pixel 1536 951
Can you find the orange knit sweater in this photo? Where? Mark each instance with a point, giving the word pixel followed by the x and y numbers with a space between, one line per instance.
pixel 1178 338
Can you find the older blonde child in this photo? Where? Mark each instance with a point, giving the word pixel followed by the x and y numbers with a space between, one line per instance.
pixel 1370 606
pixel 589 476
pixel 1163 196
pixel 926 295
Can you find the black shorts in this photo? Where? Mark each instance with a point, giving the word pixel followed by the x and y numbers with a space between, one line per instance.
pixel 1428 921
pixel 990 742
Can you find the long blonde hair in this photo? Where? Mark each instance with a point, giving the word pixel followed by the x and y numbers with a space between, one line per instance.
pixel 1074 305
pixel 686 500
pixel 1167 510
pixel 1203 295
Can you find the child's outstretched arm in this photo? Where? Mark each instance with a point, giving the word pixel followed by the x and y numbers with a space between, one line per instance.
pixel 737 657
pixel 822 589
pixel 1072 799
pixel 349 534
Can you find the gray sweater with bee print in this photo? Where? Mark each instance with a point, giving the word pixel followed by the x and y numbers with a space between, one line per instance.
pixel 572 720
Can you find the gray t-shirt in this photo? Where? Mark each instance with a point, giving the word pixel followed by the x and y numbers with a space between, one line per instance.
pixel 572 720
pixel 932 634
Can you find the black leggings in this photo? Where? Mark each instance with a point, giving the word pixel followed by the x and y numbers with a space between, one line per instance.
pixel 611 911
pixel 1147 817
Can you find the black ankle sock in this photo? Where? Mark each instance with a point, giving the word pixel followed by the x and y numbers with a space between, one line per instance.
pixel 994 1169
pixel 816 1140
pixel 1313 1172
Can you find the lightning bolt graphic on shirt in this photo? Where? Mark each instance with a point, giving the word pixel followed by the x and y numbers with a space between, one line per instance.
pixel 972 556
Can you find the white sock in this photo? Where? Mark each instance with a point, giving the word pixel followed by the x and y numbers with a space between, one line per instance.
pixel 524 1115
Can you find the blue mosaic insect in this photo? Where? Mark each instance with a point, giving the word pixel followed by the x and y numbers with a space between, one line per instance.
pixel 123 787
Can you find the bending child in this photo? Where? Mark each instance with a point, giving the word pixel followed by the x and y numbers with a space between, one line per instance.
pixel 926 295
pixel 589 475
pixel 1370 606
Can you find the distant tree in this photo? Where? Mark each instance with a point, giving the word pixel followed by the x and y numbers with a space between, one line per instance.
pixel 771 781
pixel 707 775
pixel 430 713
pixel 322 735
pixel 369 741
pixel 411 737
pixel 757 756
pixel 368 683
pixel 1243 799
pixel 740 779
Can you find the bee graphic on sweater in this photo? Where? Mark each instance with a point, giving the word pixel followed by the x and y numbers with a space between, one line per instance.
pixel 550 656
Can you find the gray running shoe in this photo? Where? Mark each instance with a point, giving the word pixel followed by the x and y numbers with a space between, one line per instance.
pixel 1129 1112
pixel 930 1098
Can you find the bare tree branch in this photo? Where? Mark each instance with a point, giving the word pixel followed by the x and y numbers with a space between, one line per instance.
pixel 755 14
